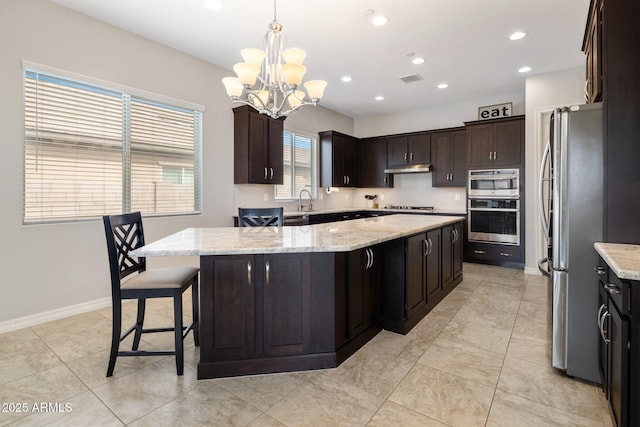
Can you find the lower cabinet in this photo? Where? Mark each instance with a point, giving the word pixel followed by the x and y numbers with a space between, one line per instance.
pixel 495 254
pixel 619 359
pixel 413 273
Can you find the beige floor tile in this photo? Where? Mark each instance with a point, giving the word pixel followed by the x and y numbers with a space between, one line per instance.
pixel 464 361
pixel 23 353
pixel 543 384
pixel 508 410
pixel 145 390
pixel 374 372
pixel 431 326
pixel 394 415
pixel 445 397
pixel 265 420
pixel 529 348
pixel 408 347
pixel 604 408
pixel 261 391
pixel 326 405
pixel 487 312
pixel 207 404
pixel 453 301
pixel 82 410
pixel 477 335
pixel 53 385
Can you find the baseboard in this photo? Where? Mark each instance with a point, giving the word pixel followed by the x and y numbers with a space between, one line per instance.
pixel 58 313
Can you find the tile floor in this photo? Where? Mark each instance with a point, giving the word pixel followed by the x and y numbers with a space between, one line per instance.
pixel 481 358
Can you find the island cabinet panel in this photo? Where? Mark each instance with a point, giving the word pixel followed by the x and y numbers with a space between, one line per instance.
pixel 412 276
pixel 286 325
pixel 266 313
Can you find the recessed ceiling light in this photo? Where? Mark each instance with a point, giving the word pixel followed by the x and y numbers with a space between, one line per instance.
pixel 213 4
pixel 517 35
pixel 443 86
pixel 346 79
pixel 379 20
pixel 524 69
pixel 379 98
pixel 417 60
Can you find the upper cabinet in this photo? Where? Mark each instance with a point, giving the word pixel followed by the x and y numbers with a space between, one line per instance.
pixel 449 151
pixel 257 147
pixel 409 150
pixel 495 143
pixel 338 160
pixel 373 162
pixel 592 47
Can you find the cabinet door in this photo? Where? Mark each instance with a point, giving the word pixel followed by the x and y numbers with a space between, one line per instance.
pixel 458 249
pixel 458 159
pixel 441 143
pixel 618 366
pixel 419 149
pixel 361 290
pixel 276 161
pixel 233 333
pixel 448 237
pixel 373 162
pixel 398 151
pixel 603 348
pixel 480 145
pixel 286 316
pixel 258 148
pixel 433 282
pixel 415 273
pixel 508 142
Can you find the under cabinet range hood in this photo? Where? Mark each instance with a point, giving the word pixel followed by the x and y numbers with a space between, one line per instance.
pixel 421 168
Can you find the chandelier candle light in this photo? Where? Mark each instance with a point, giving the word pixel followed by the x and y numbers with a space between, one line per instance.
pixel 268 80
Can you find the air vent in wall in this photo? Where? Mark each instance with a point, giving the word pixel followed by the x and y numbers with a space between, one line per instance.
pixel 411 78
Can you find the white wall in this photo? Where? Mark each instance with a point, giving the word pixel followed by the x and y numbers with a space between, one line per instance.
pixel 543 93
pixel 44 268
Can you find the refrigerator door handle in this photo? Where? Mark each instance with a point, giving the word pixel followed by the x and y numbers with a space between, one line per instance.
pixel 544 218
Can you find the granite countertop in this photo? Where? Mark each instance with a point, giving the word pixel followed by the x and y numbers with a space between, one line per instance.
pixel 341 236
pixel 623 259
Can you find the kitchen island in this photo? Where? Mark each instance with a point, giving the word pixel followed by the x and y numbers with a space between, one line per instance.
pixel 281 299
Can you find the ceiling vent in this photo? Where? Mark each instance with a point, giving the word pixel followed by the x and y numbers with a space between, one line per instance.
pixel 411 78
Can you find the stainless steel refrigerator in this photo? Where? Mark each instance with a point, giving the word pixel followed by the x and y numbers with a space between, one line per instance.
pixel 570 190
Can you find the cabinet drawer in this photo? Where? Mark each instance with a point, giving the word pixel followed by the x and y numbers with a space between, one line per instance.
pixel 620 293
pixel 494 253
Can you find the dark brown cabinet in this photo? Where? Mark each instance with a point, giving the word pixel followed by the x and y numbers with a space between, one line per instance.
pixel 592 47
pixel 261 306
pixel 338 160
pixel 619 361
pixel 495 143
pixel 407 150
pixel 449 151
pixel 495 254
pixel 415 268
pixel 452 253
pixel 373 162
pixel 362 290
pixel 433 257
pixel 257 148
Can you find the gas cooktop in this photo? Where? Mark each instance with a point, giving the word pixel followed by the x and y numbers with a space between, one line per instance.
pixel 410 208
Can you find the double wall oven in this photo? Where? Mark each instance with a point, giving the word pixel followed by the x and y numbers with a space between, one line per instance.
pixel 494 206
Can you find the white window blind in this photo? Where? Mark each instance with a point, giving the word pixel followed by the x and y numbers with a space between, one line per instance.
pixel 91 151
pixel 300 170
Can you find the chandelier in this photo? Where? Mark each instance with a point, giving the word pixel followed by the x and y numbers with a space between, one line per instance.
pixel 269 80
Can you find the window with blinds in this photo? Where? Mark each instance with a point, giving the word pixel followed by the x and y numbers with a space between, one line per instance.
pixel 299 154
pixel 91 151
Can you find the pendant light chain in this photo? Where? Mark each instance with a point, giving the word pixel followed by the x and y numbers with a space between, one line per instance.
pixel 275 10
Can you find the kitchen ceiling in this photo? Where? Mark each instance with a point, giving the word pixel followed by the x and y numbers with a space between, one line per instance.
pixel 464 42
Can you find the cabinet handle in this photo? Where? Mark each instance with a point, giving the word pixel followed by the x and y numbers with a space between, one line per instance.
pixel 271 176
pixel 454 235
pixel 479 252
pixel 600 270
pixel 249 275
pixel 601 326
pixel 425 248
pixel 490 154
pixel 372 259
pixel 267 272
pixel 265 173
pixel 602 307
pixel 384 179
pixel 405 156
pixel 495 155
pixel 586 90
pixel 348 180
pixel 505 254
pixel 411 156
pixel 612 289
pixel 366 266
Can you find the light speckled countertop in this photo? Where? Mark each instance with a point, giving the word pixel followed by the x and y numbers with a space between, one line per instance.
pixel 436 211
pixel 341 236
pixel 623 259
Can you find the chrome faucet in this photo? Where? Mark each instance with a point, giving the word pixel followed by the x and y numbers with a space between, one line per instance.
pixel 300 200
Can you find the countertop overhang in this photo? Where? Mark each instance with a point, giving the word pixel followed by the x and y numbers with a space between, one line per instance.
pixel 624 259
pixel 343 236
